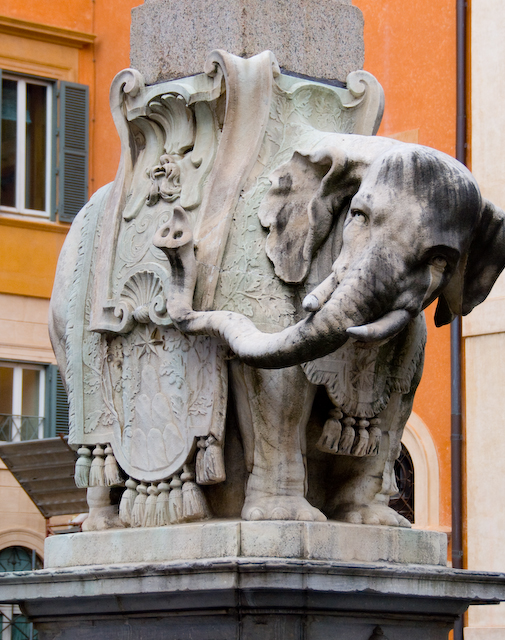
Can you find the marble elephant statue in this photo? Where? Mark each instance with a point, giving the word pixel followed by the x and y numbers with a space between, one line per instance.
pixel 401 225
pixel 242 306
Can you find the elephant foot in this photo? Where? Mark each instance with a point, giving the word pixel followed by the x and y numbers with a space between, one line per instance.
pixel 102 518
pixel 376 514
pixel 281 508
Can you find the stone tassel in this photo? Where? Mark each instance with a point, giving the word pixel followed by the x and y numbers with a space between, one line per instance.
pixel 96 473
pixel 150 515
pixel 201 477
pixel 213 462
pixel 378 634
pixel 375 437
pixel 330 437
pixel 111 470
pixel 82 467
pixel 139 507
pixel 127 502
pixel 175 500
pixel 348 436
pixel 361 446
pixel 194 505
pixel 162 515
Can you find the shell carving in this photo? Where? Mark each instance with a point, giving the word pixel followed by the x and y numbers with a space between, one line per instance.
pixel 139 292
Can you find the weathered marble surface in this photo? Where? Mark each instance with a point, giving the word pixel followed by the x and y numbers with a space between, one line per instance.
pixel 251 234
pixel 333 541
pixel 317 38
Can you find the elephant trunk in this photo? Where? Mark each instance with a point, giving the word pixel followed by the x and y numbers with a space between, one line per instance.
pixel 356 301
pixel 313 337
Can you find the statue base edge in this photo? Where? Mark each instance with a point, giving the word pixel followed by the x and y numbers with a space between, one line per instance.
pixel 334 541
pixel 248 599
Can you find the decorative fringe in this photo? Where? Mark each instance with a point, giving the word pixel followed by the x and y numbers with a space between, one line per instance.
pixel 175 500
pixel 200 461
pixel 361 446
pixel 332 431
pixel 378 634
pixel 194 505
pixel 96 473
pixel 127 502
pixel 162 514
pixel 345 441
pixel 111 470
pixel 209 466
pixel 150 515
pixel 348 436
pixel 213 462
pixel 139 507
pixel 82 467
pixel 375 437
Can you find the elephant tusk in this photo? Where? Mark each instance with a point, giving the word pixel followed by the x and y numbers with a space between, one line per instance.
pixel 386 327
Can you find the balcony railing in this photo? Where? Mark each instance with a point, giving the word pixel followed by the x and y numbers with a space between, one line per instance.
pixel 17 428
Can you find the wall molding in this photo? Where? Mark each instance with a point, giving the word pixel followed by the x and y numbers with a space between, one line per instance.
pixel 45 32
pixel 22 538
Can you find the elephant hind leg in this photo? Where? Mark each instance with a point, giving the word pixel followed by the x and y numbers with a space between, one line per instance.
pixel 273 408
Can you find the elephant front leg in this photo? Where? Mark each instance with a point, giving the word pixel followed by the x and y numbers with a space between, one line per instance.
pixel 273 408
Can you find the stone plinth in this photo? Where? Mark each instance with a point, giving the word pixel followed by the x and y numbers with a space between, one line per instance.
pixel 317 38
pixel 333 541
pixel 249 599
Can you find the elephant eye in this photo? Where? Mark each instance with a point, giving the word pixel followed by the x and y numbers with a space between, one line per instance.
pixel 439 262
pixel 359 216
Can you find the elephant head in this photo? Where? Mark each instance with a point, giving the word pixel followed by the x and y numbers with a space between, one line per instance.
pixel 414 228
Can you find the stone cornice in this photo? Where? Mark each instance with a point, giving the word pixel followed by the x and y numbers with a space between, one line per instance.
pixel 48 33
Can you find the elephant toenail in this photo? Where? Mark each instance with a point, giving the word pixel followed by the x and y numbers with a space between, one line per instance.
pixel 354 517
pixel 280 514
pixel 256 514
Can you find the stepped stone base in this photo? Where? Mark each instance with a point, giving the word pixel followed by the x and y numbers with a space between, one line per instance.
pixel 248 599
pixel 333 541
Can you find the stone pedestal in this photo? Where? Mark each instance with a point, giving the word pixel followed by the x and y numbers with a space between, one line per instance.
pixel 317 38
pixel 222 580
pixel 318 541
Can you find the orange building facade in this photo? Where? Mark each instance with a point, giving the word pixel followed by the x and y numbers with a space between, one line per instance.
pixel 411 50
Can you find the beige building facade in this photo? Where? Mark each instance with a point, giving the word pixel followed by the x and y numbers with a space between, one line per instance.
pixel 484 329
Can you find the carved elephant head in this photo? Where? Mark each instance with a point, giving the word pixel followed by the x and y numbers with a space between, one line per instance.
pixel 414 228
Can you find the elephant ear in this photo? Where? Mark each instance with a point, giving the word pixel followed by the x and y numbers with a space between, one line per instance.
pixel 306 195
pixel 477 274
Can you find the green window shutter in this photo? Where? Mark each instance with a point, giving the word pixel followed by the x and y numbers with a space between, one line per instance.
pixel 0 133
pixel 54 154
pixel 56 404
pixel 73 150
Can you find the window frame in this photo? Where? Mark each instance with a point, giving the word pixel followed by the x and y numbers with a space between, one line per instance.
pixel 20 196
pixel 17 396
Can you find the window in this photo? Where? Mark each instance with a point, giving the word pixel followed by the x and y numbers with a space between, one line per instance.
pixel 403 501
pixel 26 145
pixel 33 402
pixel 43 142
pixel 13 624
pixel 22 399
